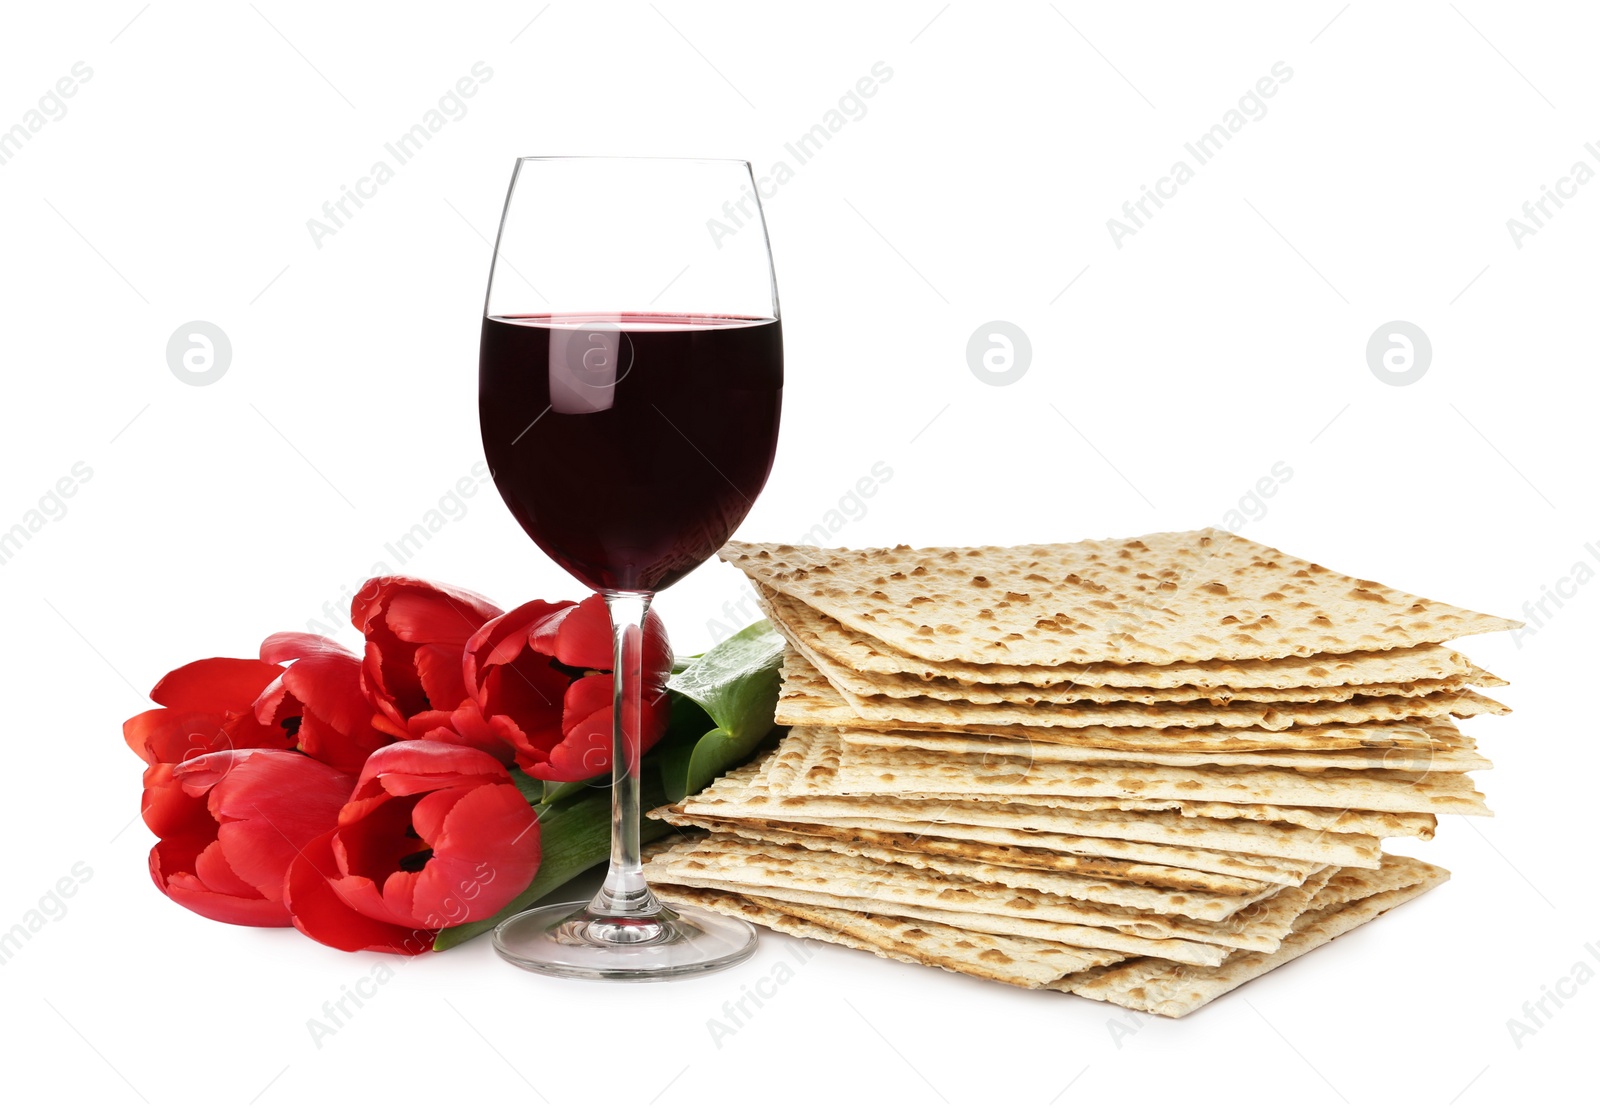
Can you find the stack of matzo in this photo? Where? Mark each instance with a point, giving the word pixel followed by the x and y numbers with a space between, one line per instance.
pixel 1142 771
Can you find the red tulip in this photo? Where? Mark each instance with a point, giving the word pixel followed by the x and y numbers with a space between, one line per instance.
pixel 415 633
pixel 244 815
pixel 540 680
pixel 435 834
pixel 319 701
pixel 208 706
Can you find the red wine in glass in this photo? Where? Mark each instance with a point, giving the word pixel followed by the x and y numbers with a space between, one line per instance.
pixel 629 446
pixel 630 384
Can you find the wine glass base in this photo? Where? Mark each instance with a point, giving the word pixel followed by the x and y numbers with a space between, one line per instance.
pixel 568 941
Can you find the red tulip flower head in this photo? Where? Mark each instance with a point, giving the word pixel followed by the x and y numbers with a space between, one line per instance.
pixel 540 678
pixel 434 834
pixel 318 700
pixel 243 817
pixel 415 633
pixel 207 706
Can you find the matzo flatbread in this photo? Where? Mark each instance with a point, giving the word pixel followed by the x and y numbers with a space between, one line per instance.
pixel 1014 960
pixel 1189 952
pixel 820 750
pixel 1079 887
pixel 807 698
pixel 1378 790
pixel 731 862
pixel 1456 760
pixel 1400 736
pixel 1287 841
pixel 1360 822
pixel 669 869
pixel 1163 598
pixel 866 655
pixel 1004 854
pixel 1239 864
pixel 1168 988
pixel 852 684
pixel 1416 734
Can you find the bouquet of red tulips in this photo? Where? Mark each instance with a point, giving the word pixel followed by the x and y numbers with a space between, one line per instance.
pixel 411 796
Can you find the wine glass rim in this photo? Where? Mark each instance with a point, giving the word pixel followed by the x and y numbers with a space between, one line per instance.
pixel 630 158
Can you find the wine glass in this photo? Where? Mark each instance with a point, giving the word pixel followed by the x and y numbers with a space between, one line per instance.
pixel 630 383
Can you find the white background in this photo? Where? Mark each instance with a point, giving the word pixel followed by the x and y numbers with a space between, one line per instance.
pixel 1226 335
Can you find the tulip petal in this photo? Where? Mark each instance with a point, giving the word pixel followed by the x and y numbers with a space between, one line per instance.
pixel 268 806
pixel 214 684
pixel 329 684
pixel 172 735
pixel 468 728
pixel 583 748
pixel 420 765
pixel 415 633
pixel 485 852
pixel 430 614
pixel 363 896
pixel 374 837
pixel 186 891
pixel 376 594
pixel 506 636
pixel 173 863
pixel 528 690
pixel 398 894
pixel 322 689
pixel 319 912
pixel 439 671
pixel 169 812
pixel 390 685
pixel 434 834
pixel 583 752
pixel 276 704
pixel 325 743
pixel 656 644
pixel 577 636
pixel 212 869
pixel 588 695
pixel 400 887
pixel 285 647
pixel 175 735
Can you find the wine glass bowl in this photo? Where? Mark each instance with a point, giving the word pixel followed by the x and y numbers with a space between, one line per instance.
pixel 629 391
pixel 686 407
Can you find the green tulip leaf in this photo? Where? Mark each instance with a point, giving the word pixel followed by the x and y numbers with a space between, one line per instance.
pixel 735 687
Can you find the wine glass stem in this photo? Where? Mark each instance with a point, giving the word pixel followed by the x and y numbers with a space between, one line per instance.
pixel 624 893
